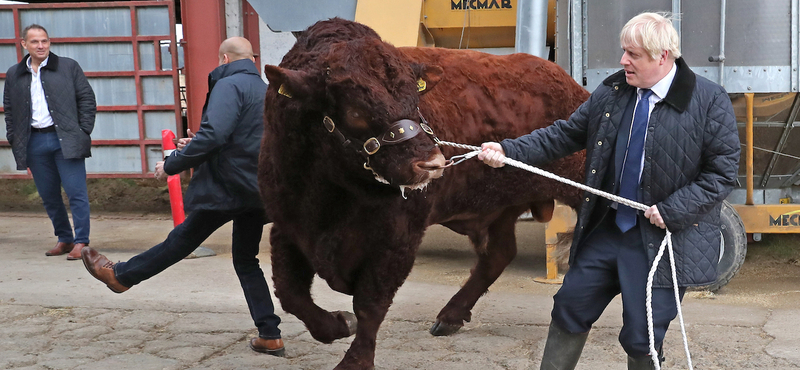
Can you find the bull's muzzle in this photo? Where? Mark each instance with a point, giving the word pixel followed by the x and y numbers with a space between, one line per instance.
pixel 434 167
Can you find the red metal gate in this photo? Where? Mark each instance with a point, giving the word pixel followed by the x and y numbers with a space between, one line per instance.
pixel 119 46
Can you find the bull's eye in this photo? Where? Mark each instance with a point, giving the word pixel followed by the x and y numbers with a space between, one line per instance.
pixel 356 119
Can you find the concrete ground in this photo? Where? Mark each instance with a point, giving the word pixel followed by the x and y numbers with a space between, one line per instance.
pixel 54 315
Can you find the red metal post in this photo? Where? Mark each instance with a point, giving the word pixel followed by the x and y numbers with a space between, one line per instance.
pixel 203 31
pixel 174 181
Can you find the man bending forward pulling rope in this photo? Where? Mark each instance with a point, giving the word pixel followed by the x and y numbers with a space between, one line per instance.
pixel 655 133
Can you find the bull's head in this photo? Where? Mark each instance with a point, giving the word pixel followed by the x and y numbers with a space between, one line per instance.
pixel 365 95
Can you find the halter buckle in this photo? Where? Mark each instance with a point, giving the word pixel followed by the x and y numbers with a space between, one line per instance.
pixel 329 125
pixel 428 130
pixel 371 146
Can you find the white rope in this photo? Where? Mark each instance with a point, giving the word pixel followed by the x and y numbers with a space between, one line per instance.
pixel 667 242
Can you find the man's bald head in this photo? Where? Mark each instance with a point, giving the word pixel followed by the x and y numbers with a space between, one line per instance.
pixel 235 48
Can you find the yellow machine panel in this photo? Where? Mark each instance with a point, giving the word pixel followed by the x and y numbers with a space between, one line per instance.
pixel 469 23
pixel 457 24
pixel 770 218
pixel 397 21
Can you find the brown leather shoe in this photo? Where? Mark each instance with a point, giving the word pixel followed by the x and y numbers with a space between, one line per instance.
pixel 102 269
pixel 76 252
pixel 59 249
pixel 272 347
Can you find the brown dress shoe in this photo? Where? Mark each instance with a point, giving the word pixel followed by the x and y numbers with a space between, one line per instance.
pixel 59 249
pixel 76 252
pixel 272 347
pixel 102 269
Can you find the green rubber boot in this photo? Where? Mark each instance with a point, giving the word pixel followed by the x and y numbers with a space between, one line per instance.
pixel 563 349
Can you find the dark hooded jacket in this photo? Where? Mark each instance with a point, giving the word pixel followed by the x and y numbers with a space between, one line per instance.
pixel 69 97
pixel 224 152
pixel 690 166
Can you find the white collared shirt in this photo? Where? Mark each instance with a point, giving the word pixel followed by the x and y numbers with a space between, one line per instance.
pixel 40 112
pixel 660 90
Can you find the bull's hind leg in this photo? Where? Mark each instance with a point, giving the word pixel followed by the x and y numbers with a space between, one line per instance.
pixel 292 276
pixel 500 251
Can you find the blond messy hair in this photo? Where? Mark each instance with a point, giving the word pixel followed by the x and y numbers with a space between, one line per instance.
pixel 653 32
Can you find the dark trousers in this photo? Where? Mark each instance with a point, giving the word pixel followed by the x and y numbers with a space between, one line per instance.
pixel 186 237
pixel 50 172
pixel 610 263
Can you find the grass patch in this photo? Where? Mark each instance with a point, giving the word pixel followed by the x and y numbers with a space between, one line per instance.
pixel 28 188
pixel 784 247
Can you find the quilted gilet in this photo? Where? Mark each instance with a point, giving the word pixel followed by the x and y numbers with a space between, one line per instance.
pixel 691 161
pixel 69 97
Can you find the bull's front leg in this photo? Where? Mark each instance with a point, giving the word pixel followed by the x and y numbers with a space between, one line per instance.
pixel 375 290
pixel 500 251
pixel 292 275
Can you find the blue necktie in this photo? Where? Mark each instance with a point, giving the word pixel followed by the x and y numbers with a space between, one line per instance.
pixel 629 179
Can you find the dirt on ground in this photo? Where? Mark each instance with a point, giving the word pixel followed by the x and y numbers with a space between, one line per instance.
pixel 140 196
pixel 770 276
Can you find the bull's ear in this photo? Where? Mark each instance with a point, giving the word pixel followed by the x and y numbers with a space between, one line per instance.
pixel 290 83
pixel 429 77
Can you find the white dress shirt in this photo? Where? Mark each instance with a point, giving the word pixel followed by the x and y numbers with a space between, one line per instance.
pixel 40 113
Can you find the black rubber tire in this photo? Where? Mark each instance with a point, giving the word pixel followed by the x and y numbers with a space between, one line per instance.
pixel 733 247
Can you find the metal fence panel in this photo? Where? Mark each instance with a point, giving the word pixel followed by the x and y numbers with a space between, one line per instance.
pixel 700 32
pixel 115 159
pixel 154 155
pixel 302 13
pixel 8 57
pixel 6 24
pixel 153 21
pixel 157 91
pixel 166 58
pixel 154 122
pixel 604 22
pixel 98 57
pixel 758 34
pixel 113 91
pixel 81 22
pixel 761 40
pixel 147 56
pixel 116 126
pixel 7 163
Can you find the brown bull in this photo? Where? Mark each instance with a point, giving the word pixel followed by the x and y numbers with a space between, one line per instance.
pixel 351 184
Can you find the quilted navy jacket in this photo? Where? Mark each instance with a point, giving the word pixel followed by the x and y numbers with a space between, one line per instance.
pixel 224 152
pixel 691 162
pixel 69 97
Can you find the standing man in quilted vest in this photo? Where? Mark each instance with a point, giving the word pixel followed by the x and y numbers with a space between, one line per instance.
pixel 49 112
pixel 657 134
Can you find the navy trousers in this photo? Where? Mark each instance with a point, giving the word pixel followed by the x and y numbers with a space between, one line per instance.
pixel 50 172
pixel 248 227
pixel 608 263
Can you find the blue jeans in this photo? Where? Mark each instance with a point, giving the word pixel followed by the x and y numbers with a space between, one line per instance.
pixel 248 227
pixel 609 263
pixel 50 172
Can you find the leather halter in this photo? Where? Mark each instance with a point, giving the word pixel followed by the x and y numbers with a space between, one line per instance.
pixel 398 132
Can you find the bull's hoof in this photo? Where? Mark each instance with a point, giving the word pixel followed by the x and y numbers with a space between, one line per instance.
pixel 353 367
pixel 349 319
pixel 440 328
pixel 343 366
